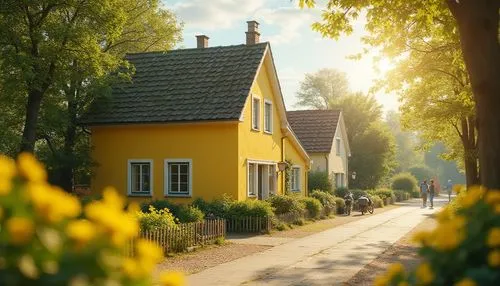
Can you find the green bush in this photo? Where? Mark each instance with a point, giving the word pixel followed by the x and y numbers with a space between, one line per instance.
pixel 155 219
pixel 286 204
pixel 218 208
pixel 377 201
pixel 385 193
pixel 159 205
pixel 326 199
pixel 318 180
pixel 400 195
pixel 415 194
pixel 341 192
pixel 340 205
pixel 250 208
pixel 189 214
pixel 405 182
pixel 313 207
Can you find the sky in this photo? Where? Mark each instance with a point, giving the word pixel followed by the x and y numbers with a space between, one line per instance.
pixel 297 49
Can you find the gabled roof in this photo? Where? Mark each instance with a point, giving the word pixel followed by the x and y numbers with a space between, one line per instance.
pixel 315 128
pixel 182 85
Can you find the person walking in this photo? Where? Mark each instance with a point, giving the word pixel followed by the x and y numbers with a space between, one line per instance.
pixel 432 190
pixel 449 188
pixel 424 189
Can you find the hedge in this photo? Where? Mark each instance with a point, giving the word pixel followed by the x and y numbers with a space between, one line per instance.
pixel 313 207
pixel 404 181
pixel 287 204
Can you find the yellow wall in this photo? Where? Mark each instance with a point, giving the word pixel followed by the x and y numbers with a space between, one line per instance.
pixel 211 146
pixel 293 155
pixel 258 145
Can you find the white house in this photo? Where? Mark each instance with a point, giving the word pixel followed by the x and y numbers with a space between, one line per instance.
pixel 323 135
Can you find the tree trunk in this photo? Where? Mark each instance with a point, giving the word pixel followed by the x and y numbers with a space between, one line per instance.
pixel 30 124
pixel 470 150
pixel 478 27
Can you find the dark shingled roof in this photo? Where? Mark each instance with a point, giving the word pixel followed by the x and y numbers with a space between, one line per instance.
pixel 314 128
pixel 182 85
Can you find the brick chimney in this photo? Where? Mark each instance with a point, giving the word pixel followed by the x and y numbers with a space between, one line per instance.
pixel 253 34
pixel 201 41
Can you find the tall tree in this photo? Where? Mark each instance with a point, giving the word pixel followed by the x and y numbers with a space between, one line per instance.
pixel 392 25
pixel 321 89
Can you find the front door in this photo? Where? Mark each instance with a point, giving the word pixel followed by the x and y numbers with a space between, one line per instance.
pixel 263 181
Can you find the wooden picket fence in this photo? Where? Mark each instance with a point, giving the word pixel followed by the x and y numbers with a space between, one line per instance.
pixel 249 224
pixel 180 237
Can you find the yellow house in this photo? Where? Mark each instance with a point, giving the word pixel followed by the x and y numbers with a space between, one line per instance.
pixel 197 123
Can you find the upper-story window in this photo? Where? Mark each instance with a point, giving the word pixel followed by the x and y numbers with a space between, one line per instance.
pixel 255 113
pixel 268 116
pixel 337 145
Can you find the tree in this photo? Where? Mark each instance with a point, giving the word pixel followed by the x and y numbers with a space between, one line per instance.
pixel 322 89
pixel 406 144
pixel 91 40
pixel 392 25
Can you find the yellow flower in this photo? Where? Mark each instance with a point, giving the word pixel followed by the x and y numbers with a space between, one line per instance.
pixel 494 258
pixel 381 280
pixel 148 254
pixel 492 197
pixel 81 231
pixel 7 172
pixel 30 168
pixel 494 237
pixel 131 268
pixel 403 283
pixel 472 196
pixel 52 203
pixel 20 230
pixel 457 188
pixel 172 279
pixel 424 274
pixel 466 282
pixel 394 270
pixel 422 237
pixel 448 235
pixel 497 209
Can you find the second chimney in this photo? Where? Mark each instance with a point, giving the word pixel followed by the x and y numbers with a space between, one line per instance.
pixel 253 34
pixel 201 41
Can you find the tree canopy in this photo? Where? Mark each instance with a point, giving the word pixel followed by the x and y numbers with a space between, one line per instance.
pixel 322 89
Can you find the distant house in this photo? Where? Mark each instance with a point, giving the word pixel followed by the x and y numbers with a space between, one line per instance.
pixel 197 123
pixel 323 135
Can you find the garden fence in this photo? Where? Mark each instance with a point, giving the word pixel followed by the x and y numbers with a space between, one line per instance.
pixel 249 224
pixel 180 237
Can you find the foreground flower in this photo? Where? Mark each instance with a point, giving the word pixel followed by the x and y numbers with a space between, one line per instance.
pixel 424 274
pixel 7 171
pixel 52 203
pixel 30 168
pixel 494 237
pixel 466 282
pixel 172 279
pixel 492 197
pixel 494 258
pixel 20 230
pixel 472 196
pixel 81 231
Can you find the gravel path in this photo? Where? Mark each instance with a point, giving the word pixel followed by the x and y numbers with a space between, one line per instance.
pixel 207 257
pixel 404 251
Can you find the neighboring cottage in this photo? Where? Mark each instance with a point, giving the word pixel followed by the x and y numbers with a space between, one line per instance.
pixel 323 135
pixel 197 123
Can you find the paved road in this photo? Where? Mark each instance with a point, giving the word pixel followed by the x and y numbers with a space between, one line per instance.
pixel 330 257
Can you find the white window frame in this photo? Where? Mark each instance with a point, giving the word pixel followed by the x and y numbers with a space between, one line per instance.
pixel 270 103
pixel 296 167
pixel 129 177
pixel 255 179
pixel 254 118
pixel 338 144
pixel 256 163
pixel 166 175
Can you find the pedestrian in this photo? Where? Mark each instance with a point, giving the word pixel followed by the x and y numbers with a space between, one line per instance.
pixel 432 189
pixel 424 188
pixel 449 187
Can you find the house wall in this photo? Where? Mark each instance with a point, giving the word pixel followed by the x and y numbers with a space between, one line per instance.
pixel 212 147
pixel 259 146
pixel 320 161
pixel 338 159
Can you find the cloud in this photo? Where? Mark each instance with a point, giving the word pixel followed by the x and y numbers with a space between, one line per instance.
pixel 215 14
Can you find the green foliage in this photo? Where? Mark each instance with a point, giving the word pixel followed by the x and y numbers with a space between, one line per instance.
pixel 401 195
pixel 286 204
pixel 405 182
pixel 250 208
pixel 377 201
pixel 384 193
pixel 358 193
pixel 341 192
pixel 155 219
pixel 318 180
pixel 313 206
pixel 326 199
pixel 218 208
pixel 421 173
pixel 189 214
pixel 322 89
pixel 159 205
pixel 340 205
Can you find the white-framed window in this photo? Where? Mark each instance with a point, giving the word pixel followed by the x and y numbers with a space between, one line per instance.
pixel 255 113
pixel 252 180
pixel 272 179
pixel 268 116
pixel 178 177
pixel 295 180
pixel 337 145
pixel 140 177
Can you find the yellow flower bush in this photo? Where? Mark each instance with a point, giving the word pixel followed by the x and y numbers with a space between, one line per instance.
pixel 463 249
pixel 47 238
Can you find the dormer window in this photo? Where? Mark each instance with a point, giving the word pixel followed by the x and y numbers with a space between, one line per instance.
pixel 268 116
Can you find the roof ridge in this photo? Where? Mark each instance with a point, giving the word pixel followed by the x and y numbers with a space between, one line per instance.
pixel 196 49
